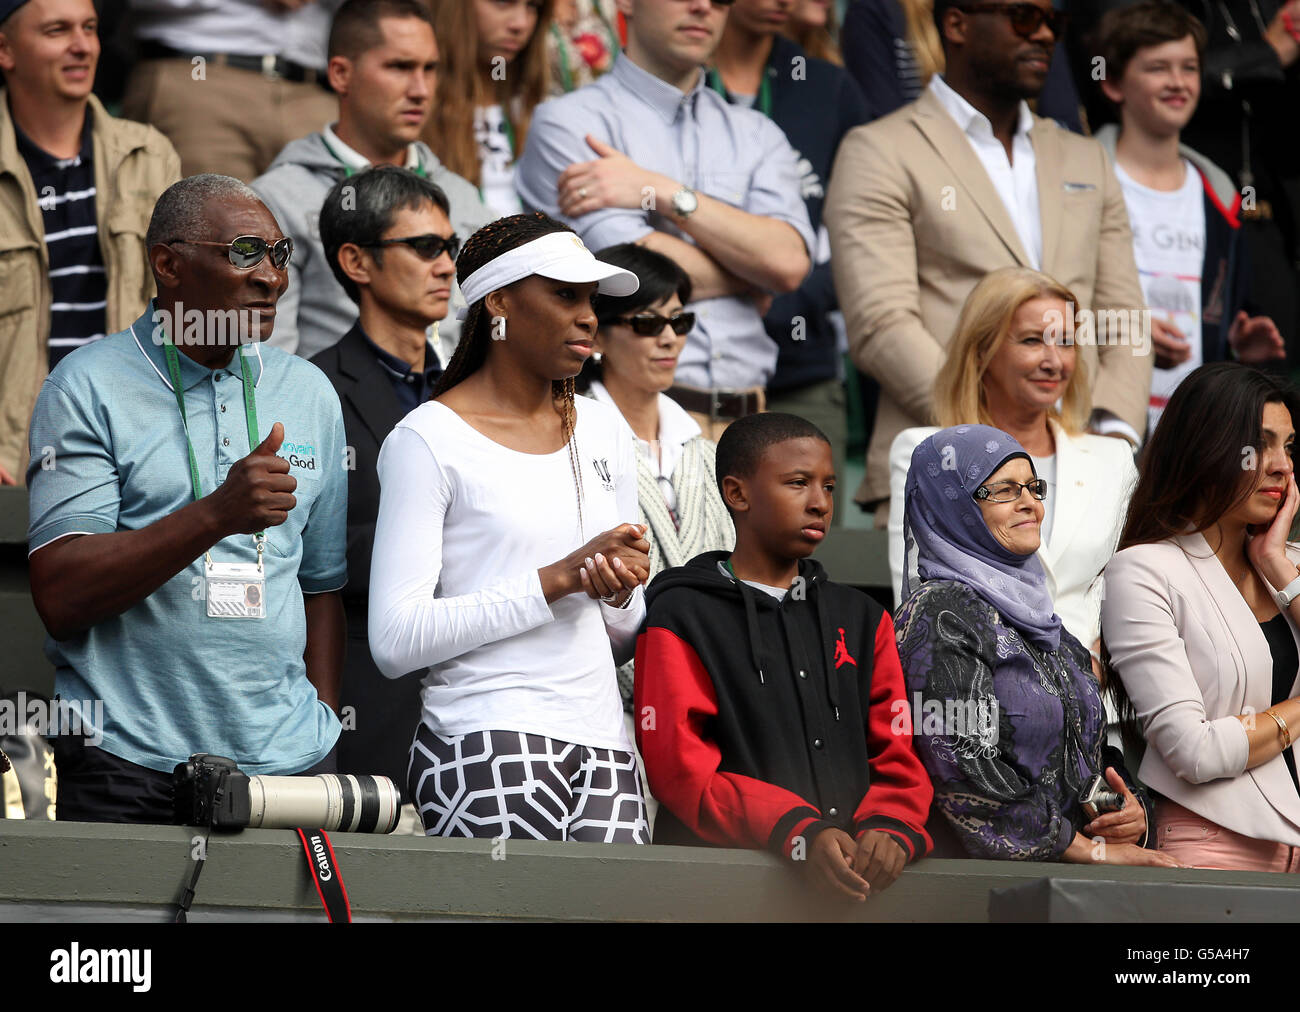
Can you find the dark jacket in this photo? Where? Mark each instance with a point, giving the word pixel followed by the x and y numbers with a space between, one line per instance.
pixel 1246 113
pixel 763 721
pixel 384 712
pixel 815 104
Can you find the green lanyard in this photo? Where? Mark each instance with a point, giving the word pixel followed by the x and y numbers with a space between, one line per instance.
pixel 763 103
pixel 566 74
pixel 250 416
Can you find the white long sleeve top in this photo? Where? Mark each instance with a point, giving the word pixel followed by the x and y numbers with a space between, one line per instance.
pixel 464 526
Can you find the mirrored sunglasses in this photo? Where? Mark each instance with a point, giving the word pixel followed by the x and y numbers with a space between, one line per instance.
pixel 247 251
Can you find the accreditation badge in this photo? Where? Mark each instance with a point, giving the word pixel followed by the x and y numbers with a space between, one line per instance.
pixel 235 589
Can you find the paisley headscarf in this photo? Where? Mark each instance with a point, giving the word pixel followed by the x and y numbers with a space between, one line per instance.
pixel 944 522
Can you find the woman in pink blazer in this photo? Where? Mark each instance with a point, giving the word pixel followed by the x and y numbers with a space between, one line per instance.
pixel 1199 622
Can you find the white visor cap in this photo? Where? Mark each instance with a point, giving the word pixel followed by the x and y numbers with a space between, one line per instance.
pixel 560 256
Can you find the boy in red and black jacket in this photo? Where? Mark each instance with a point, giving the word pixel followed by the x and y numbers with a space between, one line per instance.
pixel 770 705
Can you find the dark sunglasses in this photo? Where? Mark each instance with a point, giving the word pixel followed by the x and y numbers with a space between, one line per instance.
pixel 1025 18
pixel 247 251
pixel 429 246
pixel 1009 491
pixel 649 324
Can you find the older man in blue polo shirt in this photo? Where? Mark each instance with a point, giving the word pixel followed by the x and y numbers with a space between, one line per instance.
pixel 188 503
pixel 649 154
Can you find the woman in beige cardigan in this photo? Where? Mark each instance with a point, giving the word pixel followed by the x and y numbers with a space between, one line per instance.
pixel 1200 626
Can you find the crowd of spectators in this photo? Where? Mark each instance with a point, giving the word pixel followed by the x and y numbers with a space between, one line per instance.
pixel 457 390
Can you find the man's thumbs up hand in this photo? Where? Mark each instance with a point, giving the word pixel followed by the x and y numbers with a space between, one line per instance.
pixel 270 446
pixel 258 491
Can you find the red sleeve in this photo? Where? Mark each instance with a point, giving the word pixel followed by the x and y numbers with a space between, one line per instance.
pixel 898 800
pixel 674 699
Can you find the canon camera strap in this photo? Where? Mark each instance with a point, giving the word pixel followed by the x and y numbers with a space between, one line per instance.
pixel 324 871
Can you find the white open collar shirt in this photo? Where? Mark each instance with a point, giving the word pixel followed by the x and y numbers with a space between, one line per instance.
pixel 1015 180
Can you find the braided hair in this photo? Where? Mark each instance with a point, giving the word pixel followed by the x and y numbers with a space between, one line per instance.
pixel 485 245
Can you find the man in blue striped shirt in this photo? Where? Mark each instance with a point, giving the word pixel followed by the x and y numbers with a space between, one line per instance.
pixel 649 154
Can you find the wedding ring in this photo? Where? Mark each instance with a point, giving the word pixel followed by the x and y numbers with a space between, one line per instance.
pixel 582 192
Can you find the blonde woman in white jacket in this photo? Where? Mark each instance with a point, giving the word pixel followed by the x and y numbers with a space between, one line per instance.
pixel 1011 366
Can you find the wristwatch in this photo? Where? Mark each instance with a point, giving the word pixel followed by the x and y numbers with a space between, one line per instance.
pixel 1289 593
pixel 685 202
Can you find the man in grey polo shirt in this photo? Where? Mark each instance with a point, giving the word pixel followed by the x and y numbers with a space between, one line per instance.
pixel 142 501
pixel 649 154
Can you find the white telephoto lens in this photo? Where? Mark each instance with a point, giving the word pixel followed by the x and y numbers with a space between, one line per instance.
pixel 350 804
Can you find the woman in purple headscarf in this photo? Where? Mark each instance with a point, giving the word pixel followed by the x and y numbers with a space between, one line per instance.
pixel 1007 715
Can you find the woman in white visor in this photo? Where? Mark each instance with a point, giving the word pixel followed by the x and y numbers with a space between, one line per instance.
pixel 508 561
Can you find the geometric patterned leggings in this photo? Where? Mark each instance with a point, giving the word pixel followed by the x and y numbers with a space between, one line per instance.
pixel 491 784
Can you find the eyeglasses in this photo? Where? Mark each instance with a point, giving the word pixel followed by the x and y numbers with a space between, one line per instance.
pixel 428 246
pixel 1026 18
pixel 649 324
pixel 247 251
pixel 1009 491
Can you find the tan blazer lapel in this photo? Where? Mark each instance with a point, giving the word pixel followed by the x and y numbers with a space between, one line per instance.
pixel 965 169
pixel 1048 166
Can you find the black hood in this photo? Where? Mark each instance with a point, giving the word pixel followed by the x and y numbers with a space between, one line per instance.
pixel 702 573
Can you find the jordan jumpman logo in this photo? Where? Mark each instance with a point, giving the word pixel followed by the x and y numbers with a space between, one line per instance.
pixel 842 653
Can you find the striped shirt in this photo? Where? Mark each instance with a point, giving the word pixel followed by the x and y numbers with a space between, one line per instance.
pixel 65 191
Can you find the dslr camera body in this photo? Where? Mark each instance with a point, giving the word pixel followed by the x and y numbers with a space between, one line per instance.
pixel 210 790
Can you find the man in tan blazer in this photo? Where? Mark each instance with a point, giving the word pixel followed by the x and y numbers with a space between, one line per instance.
pixel 925 201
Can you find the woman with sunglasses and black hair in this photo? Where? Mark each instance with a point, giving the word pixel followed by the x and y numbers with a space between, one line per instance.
pixel 490 568
pixel 637 344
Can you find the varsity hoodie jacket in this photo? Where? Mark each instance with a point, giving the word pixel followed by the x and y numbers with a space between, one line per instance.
pixel 762 721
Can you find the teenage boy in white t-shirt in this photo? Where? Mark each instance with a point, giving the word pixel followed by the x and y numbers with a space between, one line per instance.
pixel 1182 207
